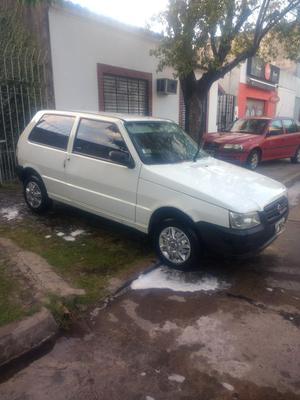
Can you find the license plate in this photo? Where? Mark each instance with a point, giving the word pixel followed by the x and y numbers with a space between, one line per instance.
pixel 279 226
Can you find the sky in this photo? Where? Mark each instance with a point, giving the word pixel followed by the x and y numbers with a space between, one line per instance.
pixel 132 12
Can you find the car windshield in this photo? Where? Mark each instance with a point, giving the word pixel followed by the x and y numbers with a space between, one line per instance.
pixel 162 142
pixel 253 126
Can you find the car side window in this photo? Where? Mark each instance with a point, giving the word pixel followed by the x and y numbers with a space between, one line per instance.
pixel 276 128
pixel 290 126
pixel 97 139
pixel 52 130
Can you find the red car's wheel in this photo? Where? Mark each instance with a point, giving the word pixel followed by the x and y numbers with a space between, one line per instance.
pixel 296 158
pixel 253 159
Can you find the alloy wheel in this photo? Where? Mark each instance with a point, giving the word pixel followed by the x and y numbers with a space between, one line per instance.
pixel 33 194
pixel 174 245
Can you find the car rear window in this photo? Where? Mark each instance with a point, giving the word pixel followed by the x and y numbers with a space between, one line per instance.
pixel 53 130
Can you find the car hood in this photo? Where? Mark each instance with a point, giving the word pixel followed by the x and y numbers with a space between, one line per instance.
pixel 232 138
pixel 218 183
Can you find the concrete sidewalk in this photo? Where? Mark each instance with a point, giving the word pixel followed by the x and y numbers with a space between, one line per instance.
pixel 281 170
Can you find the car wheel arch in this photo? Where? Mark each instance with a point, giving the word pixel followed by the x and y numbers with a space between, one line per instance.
pixel 164 213
pixel 29 171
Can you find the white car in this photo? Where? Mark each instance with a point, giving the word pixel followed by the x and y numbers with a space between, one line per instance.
pixel 148 174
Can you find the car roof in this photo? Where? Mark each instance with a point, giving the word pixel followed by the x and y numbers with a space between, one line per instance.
pixel 120 116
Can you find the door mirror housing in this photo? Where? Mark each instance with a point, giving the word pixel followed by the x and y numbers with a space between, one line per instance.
pixel 121 157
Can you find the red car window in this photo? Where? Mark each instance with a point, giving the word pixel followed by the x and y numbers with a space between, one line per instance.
pixel 276 127
pixel 290 126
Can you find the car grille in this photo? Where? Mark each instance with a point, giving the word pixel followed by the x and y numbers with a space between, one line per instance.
pixel 211 147
pixel 276 210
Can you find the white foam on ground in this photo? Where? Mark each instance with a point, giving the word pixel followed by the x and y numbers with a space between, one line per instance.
pixel 166 278
pixel 60 234
pixel 9 213
pixel 228 386
pixel 294 194
pixel 176 378
pixel 69 238
pixel 78 232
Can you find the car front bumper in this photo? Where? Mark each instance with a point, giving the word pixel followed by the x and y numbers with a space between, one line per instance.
pixel 234 242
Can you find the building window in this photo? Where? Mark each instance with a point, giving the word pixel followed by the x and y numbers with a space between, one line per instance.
pixel 124 90
pixel 255 108
pixel 125 95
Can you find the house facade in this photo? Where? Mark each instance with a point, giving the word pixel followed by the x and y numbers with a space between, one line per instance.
pixel 101 65
pixel 258 88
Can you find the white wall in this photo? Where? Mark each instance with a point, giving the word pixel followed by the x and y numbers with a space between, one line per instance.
pixel 213 108
pixel 287 90
pixel 79 42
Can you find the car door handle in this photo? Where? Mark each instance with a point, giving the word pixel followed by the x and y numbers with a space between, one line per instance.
pixel 65 161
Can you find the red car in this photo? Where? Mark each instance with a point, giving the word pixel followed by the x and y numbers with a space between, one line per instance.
pixel 251 140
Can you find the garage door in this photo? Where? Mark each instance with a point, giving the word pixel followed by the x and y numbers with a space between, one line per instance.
pixel 126 95
pixel 255 108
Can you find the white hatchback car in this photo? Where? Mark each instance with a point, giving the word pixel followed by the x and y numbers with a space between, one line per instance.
pixel 147 173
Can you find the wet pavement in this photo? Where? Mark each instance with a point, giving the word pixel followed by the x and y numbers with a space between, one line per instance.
pixel 224 330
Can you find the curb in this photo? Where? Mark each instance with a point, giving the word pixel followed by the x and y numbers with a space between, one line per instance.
pixel 291 180
pixel 21 337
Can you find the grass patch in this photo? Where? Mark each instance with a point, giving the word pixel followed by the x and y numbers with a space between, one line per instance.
pixel 12 307
pixel 108 250
pixel 90 261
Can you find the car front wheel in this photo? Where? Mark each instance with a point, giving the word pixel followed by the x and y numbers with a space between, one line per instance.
pixel 35 194
pixel 253 160
pixel 296 158
pixel 176 243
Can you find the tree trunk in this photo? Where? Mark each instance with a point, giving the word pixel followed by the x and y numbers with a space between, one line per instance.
pixel 196 113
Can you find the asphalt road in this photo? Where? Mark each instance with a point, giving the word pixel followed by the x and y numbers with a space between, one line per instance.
pixel 228 330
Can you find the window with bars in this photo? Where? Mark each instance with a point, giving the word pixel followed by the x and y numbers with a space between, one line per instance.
pixel 125 95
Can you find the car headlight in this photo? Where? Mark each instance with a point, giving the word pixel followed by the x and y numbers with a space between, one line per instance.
pixel 235 147
pixel 243 221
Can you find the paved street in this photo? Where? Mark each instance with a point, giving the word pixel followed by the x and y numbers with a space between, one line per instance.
pixel 281 170
pixel 229 330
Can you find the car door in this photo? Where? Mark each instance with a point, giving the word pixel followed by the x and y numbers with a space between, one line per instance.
pixel 48 150
pixel 292 136
pixel 274 141
pixel 96 182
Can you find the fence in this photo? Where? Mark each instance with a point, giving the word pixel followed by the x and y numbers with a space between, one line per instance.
pixel 23 91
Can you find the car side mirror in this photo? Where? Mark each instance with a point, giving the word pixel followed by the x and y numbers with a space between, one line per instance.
pixel 121 157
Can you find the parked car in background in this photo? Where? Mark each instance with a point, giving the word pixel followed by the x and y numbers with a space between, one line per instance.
pixel 252 140
pixel 150 175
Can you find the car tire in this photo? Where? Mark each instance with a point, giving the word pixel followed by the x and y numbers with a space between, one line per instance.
pixel 253 159
pixel 296 158
pixel 35 194
pixel 176 243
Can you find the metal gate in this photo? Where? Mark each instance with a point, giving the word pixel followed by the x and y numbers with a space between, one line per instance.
pixel 226 106
pixel 23 91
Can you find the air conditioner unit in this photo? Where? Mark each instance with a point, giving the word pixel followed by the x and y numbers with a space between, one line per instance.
pixel 166 86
